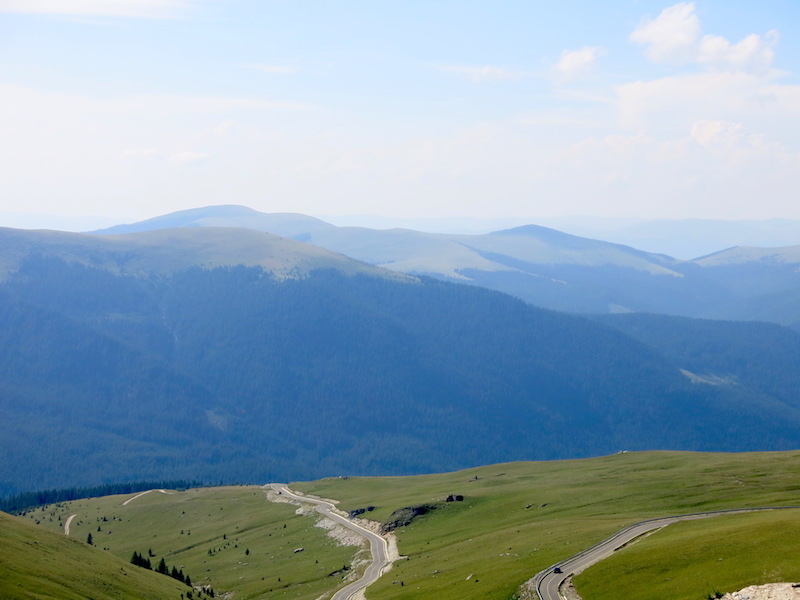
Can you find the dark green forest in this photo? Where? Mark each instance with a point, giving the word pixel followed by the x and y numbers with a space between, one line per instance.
pixel 18 503
pixel 232 375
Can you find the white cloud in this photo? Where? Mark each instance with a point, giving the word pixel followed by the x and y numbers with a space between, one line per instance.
pixel 753 53
pixel 672 103
pixel 487 73
pixel 576 62
pixel 672 36
pixel 709 133
pixel 675 37
pixel 116 8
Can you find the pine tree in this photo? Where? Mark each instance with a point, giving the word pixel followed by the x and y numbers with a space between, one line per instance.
pixel 89 540
pixel 162 566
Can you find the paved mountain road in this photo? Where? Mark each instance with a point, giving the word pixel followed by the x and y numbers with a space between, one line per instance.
pixel 548 581
pixel 377 545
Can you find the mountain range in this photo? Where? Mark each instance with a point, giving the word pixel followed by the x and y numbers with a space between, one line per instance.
pixel 229 354
pixel 546 267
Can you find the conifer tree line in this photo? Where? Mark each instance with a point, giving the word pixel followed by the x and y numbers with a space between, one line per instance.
pixel 21 502
pixel 140 560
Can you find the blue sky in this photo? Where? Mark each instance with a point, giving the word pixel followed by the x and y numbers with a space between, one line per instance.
pixel 127 109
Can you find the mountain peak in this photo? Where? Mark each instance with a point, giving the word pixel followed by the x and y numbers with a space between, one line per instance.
pixel 226 215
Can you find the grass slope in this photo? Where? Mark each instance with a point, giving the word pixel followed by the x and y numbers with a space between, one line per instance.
pixel 515 520
pixel 688 561
pixel 519 518
pixel 39 564
pixel 207 533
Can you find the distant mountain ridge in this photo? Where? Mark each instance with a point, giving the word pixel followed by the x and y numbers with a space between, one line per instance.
pixel 167 250
pixel 230 215
pixel 693 238
pixel 551 269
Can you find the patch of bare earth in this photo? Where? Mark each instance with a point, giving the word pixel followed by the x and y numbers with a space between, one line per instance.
pixel 770 591
pixel 568 591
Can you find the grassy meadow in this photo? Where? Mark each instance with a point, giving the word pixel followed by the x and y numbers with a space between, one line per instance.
pixel 231 538
pixel 692 559
pixel 43 565
pixel 515 520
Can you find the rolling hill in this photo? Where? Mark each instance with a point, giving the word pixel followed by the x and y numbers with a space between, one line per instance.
pixel 231 539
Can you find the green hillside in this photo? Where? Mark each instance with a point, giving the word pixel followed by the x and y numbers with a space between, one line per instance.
pixel 36 564
pixel 688 561
pixel 515 520
pixel 519 518
pixel 230 538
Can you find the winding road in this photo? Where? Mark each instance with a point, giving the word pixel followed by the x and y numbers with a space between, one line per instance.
pixel 377 545
pixel 548 582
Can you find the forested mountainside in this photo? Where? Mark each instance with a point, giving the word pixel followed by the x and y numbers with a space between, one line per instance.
pixel 151 363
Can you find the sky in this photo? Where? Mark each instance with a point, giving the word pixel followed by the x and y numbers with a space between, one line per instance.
pixel 121 110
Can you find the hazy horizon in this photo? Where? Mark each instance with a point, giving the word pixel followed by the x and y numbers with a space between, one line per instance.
pixel 125 109
pixel 679 238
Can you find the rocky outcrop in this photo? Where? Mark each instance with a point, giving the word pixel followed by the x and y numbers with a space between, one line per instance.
pixel 360 511
pixel 404 516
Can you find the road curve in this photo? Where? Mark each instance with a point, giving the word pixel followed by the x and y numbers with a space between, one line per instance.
pixel 139 495
pixel 548 581
pixel 68 523
pixel 377 545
